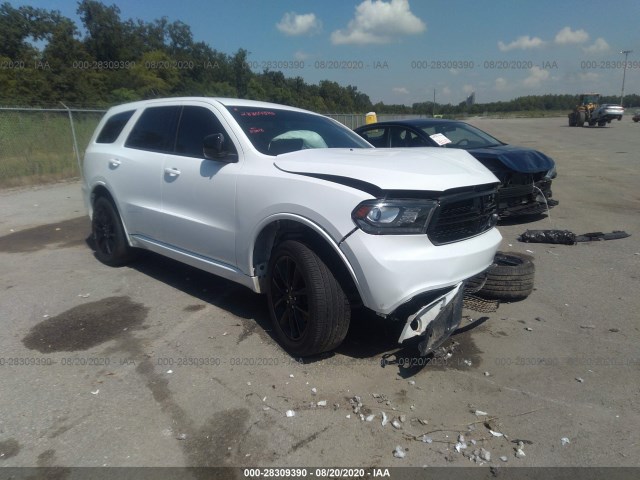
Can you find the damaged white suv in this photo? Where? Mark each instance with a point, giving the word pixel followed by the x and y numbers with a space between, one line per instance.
pixel 294 205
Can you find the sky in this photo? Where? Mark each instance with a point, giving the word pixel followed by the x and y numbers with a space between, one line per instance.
pixel 404 51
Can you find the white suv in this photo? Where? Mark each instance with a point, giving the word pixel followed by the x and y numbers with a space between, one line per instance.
pixel 294 205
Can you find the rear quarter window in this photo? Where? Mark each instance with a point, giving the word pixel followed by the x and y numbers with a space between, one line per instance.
pixel 112 129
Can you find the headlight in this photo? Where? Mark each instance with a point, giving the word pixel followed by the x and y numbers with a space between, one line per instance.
pixel 552 172
pixel 393 217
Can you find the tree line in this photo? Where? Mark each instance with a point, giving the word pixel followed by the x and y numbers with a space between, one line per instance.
pixel 44 60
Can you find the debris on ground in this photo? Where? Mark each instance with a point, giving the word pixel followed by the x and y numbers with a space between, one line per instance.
pixel 504 458
pixel 467 362
pixel 322 403
pixel 487 374
pixel 356 404
pixel 182 436
pixel 399 452
pixel 565 237
pixel 314 390
pixel 580 379
pixel 385 419
pixel 485 455
pixel 369 418
pixel 396 424
pixel 480 413
pixel 565 441
pixel 496 434
pixel 519 450
pixel 290 413
pixel 427 439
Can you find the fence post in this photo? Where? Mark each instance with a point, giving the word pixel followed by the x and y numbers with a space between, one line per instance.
pixel 75 140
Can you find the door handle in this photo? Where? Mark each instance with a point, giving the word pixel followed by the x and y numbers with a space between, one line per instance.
pixel 174 172
pixel 114 163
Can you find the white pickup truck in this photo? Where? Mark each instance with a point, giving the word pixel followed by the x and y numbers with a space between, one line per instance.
pixel 294 205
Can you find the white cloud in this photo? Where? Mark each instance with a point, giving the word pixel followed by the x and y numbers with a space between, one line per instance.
pixel 524 42
pixel 300 55
pixel 588 76
pixel 293 24
pixel 500 84
pixel 599 46
pixel 536 76
pixel 567 36
pixel 401 90
pixel 378 22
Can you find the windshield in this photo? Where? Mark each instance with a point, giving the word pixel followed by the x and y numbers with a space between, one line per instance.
pixel 274 131
pixel 460 135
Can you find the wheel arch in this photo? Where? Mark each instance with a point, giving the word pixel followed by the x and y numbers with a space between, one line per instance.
pixel 293 227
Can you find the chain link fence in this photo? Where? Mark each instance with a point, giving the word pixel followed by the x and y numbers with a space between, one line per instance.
pixel 37 145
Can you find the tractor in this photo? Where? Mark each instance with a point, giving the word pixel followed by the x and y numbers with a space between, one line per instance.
pixel 591 112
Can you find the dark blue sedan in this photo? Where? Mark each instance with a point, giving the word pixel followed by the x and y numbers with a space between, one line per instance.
pixel 525 174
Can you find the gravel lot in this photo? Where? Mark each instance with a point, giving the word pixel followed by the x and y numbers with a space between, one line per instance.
pixel 159 364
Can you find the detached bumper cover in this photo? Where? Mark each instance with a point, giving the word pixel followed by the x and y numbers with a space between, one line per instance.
pixel 436 321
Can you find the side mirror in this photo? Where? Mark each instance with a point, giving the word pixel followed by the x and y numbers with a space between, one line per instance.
pixel 214 148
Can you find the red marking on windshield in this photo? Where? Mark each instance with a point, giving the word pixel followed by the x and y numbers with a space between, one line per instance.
pixel 258 114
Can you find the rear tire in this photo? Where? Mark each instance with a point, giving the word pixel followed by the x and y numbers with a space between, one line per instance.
pixel 309 310
pixel 109 238
pixel 580 120
pixel 511 277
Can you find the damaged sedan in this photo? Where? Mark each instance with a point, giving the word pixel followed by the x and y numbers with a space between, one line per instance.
pixel 525 174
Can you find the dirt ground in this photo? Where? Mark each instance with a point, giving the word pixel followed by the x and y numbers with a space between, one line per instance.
pixel 158 364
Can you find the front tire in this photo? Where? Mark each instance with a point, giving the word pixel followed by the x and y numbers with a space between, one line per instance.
pixel 109 239
pixel 309 310
pixel 581 119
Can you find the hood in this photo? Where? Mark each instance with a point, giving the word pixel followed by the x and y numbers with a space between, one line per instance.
pixel 432 169
pixel 520 159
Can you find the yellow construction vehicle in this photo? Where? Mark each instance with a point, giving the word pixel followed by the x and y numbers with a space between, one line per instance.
pixel 591 112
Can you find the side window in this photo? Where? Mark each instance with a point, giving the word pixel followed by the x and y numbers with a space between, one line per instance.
pixel 400 137
pixel 155 129
pixel 195 124
pixel 112 129
pixel 376 137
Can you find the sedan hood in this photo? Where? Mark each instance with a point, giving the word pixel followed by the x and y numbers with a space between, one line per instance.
pixel 431 169
pixel 520 159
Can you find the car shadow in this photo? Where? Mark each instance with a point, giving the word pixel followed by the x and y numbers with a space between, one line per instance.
pixel 370 338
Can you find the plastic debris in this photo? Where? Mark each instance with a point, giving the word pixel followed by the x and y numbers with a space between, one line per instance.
pixel 361 417
pixel 182 436
pixel 396 424
pixel 467 362
pixel 385 419
pixel 580 379
pixel 496 434
pixel 487 374
pixel 314 390
pixel 348 416
pixel 485 455
pixel 411 382
pixel 322 403
pixel 528 329
pixel 480 413
pixel 427 439
pixel 423 421
pixel 565 441
pixel 291 375
pixel 169 371
pixel 519 451
pixel 356 404
pixel 96 392
pixel 473 442
pixel 84 295
pixel 412 407
pixel 399 452
pixel 402 418
pixel 290 413
pixel 504 458
pixel 264 399
pixel 369 418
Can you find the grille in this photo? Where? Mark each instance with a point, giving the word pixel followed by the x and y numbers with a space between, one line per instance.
pixel 462 215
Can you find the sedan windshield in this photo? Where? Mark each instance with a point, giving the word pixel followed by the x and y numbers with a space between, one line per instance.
pixel 460 135
pixel 274 131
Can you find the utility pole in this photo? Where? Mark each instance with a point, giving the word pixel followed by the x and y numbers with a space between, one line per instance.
pixel 624 73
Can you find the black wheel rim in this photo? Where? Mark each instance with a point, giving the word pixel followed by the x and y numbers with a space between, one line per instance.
pixel 289 298
pixel 104 232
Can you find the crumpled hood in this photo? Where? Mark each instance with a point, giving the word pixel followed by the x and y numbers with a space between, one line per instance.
pixel 433 169
pixel 520 159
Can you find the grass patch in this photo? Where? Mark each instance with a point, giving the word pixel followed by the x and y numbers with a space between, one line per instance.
pixel 37 147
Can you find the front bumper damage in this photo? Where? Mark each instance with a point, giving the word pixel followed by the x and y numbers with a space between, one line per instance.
pixel 436 321
pixel 525 199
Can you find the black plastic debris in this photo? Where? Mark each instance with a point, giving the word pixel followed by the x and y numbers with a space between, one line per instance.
pixel 565 237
